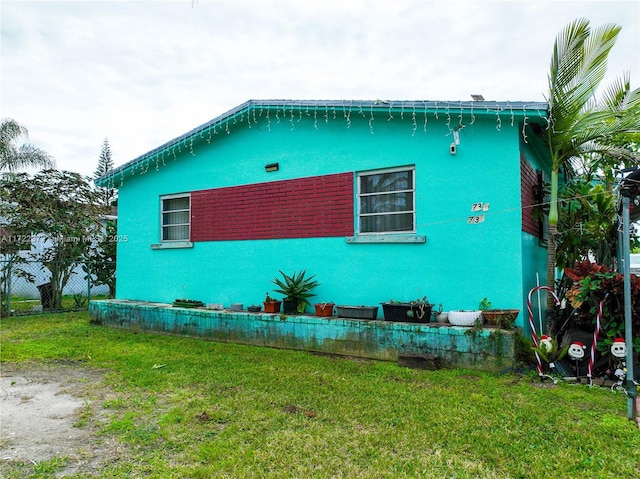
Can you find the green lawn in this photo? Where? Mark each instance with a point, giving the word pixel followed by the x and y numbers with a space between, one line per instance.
pixel 70 302
pixel 184 407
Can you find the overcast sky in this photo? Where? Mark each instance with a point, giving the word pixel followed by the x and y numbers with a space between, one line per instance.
pixel 142 73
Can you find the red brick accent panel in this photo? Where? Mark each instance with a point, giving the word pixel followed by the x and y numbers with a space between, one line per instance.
pixel 313 207
pixel 528 181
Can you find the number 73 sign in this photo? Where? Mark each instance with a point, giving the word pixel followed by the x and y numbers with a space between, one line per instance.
pixel 476 208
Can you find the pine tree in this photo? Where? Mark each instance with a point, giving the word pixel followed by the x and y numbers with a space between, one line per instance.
pixel 105 164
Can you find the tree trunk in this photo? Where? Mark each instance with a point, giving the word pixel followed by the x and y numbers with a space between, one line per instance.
pixel 551 264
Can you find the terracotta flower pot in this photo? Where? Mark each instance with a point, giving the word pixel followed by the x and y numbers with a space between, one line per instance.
pixel 501 317
pixel 324 309
pixel 272 306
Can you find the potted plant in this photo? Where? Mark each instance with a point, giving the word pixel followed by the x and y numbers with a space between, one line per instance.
pixel 254 308
pixel 324 309
pixel 271 305
pixel 187 303
pixel 416 311
pixel 421 310
pixel 465 317
pixel 553 353
pixel 502 318
pixel 296 289
pixel 440 315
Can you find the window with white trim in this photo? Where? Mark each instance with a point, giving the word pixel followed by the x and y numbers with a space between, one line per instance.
pixel 386 201
pixel 175 217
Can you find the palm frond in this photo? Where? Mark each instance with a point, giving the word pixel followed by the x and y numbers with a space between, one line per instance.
pixel 13 156
pixel 599 151
pixel 565 58
pixel 580 72
pixel 614 97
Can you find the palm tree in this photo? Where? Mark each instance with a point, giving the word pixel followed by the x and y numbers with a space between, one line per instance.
pixel 579 124
pixel 15 156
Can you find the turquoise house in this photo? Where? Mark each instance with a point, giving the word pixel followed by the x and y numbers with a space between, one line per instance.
pixel 378 199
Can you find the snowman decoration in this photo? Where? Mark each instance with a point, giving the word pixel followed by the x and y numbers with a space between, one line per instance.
pixel 619 352
pixel 576 352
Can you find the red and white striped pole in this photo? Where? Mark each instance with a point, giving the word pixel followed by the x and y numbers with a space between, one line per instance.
pixel 534 335
pixel 595 336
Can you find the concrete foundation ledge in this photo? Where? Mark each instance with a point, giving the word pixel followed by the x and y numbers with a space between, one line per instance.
pixel 486 349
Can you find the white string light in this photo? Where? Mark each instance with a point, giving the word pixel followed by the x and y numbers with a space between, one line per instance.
pixel 448 123
pixel 371 120
pixel 348 115
pixel 187 142
pixel 425 117
pixel 414 122
pixel 524 130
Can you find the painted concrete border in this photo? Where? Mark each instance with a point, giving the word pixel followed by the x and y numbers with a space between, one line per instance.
pixel 382 340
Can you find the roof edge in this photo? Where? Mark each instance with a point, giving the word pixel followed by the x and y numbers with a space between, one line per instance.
pixel 516 108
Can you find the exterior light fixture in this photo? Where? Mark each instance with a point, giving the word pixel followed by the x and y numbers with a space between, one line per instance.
pixel 477 97
pixel 272 167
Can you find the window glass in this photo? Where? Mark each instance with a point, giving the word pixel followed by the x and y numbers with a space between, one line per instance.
pixel 175 218
pixel 386 201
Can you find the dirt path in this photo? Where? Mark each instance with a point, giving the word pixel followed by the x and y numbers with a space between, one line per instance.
pixel 49 412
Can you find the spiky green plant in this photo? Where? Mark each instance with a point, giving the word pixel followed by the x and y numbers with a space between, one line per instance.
pixel 296 287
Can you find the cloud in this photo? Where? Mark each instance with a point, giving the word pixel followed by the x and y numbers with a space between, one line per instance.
pixel 142 73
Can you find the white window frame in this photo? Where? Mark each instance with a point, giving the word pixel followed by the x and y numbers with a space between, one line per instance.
pixel 359 195
pixel 163 226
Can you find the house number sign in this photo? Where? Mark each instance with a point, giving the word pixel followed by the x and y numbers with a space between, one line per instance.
pixel 479 207
pixel 475 208
pixel 474 220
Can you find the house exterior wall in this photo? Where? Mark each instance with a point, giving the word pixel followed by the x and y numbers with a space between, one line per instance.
pixel 534 251
pixel 458 265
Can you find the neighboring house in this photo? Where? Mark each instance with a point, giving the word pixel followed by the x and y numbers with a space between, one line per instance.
pixel 380 200
pixel 28 288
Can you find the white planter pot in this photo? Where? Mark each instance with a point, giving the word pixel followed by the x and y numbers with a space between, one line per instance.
pixel 464 318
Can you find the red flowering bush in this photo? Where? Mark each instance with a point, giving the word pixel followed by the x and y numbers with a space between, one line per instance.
pixel 591 284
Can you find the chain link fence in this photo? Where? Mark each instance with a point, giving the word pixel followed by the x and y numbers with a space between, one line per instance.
pixel 30 287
